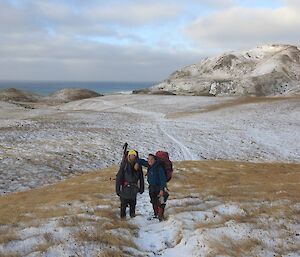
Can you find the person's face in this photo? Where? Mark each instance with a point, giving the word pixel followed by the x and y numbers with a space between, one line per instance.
pixel 151 160
pixel 131 158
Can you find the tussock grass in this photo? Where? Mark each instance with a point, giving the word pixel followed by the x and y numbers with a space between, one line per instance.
pixel 110 253
pixel 11 255
pixel 42 248
pixel 46 202
pixel 238 181
pixel 266 192
pixel 74 203
pixel 232 103
pixel 227 247
pixel 105 237
pixel 7 235
pixel 276 187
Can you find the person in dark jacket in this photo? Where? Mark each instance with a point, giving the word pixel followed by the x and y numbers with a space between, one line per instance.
pixel 129 182
pixel 157 180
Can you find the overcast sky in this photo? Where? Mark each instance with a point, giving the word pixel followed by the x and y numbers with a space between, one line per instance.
pixel 138 40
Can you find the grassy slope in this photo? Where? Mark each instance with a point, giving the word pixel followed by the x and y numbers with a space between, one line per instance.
pixel 242 183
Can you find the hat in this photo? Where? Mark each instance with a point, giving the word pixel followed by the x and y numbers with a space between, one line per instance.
pixel 132 152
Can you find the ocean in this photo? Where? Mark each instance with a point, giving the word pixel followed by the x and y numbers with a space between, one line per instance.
pixel 45 88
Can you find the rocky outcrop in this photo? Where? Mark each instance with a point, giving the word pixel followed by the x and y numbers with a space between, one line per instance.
pixel 268 70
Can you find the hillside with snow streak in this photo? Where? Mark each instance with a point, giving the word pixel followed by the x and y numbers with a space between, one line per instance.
pixel 268 70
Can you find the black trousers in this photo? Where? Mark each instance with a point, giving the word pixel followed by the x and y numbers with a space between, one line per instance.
pixel 124 204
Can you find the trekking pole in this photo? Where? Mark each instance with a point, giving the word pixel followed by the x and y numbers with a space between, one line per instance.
pixel 125 146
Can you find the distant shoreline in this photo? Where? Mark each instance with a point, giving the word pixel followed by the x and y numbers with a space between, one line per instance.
pixel 45 88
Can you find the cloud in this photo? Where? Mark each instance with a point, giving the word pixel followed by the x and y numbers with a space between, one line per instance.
pixel 241 27
pixel 137 14
pixel 93 62
pixel 60 40
pixel 61 58
pixel 15 19
pixel 130 40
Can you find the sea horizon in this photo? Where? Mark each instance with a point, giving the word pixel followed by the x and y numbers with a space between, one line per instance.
pixel 45 88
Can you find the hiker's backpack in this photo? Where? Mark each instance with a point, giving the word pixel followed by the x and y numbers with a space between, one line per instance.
pixel 166 163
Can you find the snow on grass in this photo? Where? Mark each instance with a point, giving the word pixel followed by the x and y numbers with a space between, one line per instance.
pixel 215 208
pixel 76 217
pixel 220 221
pixel 54 143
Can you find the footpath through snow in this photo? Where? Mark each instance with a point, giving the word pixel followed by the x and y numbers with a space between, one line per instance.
pixel 161 238
pixel 210 228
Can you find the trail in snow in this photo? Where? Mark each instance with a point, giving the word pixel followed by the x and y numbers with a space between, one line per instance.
pixel 159 120
pixel 186 153
pixel 154 237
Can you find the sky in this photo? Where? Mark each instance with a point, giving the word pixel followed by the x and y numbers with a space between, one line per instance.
pixel 138 40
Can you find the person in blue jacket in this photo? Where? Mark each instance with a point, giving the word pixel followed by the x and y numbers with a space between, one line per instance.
pixel 157 180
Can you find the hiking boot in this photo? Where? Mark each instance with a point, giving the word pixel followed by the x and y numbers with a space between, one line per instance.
pixel 161 214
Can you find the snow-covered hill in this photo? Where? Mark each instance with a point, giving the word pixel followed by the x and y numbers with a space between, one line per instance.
pixel 47 144
pixel 268 70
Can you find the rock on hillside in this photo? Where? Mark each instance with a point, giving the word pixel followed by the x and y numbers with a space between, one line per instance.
pixel 71 94
pixel 268 70
pixel 15 95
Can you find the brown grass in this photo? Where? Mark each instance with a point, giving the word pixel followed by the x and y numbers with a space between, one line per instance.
pixel 226 246
pixel 7 235
pixel 260 189
pixel 65 200
pixel 244 183
pixel 42 247
pixel 238 181
pixel 112 253
pixel 11 254
pixel 45 202
pixel 233 102
pixel 103 236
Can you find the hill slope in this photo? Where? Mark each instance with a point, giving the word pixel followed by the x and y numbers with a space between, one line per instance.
pixel 215 208
pixel 269 70
pixel 61 96
pixel 15 95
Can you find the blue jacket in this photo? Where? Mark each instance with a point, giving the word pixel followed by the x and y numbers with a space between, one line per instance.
pixel 156 175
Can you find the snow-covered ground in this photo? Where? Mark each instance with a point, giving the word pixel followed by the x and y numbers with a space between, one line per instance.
pixel 47 144
pixel 83 218
pixel 180 236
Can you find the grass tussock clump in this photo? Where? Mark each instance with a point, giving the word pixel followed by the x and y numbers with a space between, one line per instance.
pixel 7 235
pixel 85 201
pixel 238 181
pixel 57 200
pixel 227 247
pixel 265 196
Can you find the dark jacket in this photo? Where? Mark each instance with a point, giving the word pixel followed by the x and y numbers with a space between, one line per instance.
pixel 129 182
pixel 156 175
